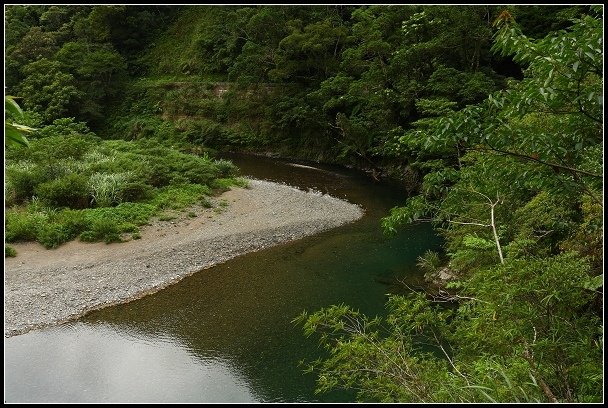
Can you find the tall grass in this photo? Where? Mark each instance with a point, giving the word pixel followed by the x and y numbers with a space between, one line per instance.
pixel 69 185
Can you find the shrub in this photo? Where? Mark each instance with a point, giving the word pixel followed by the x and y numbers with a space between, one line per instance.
pixel 49 227
pixel 97 160
pixel 54 234
pixel 167 217
pixel 65 127
pixel 9 251
pixel 70 169
pixel 134 213
pixel 23 226
pixel 61 147
pixel 22 178
pixel 136 191
pixel 128 227
pixel 206 132
pixel 429 262
pixel 73 221
pixel 68 191
pixel 224 184
pixel 106 189
pixel 102 229
pixel 180 197
pixel 225 168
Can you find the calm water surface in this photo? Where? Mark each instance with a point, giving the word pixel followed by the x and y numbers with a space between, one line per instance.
pixel 225 334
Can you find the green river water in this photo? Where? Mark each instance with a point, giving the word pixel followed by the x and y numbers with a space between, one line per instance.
pixel 225 333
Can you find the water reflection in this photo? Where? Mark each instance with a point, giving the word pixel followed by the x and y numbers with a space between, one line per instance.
pixel 225 334
pixel 78 362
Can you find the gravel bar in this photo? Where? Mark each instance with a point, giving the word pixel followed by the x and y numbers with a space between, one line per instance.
pixel 48 287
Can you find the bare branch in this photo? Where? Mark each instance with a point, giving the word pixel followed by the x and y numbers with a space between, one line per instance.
pixel 481 194
pixel 552 165
pixel 449 359
pixel 446 297
pixel 468 223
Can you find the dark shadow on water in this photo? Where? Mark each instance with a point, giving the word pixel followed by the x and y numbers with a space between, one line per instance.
pixel 227 332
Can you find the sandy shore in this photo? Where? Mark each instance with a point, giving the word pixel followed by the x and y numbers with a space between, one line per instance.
pixel 46 287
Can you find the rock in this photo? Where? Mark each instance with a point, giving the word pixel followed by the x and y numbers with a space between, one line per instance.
pixel 441 277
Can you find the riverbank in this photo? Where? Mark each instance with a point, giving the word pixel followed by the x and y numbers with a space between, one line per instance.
pixel 46 287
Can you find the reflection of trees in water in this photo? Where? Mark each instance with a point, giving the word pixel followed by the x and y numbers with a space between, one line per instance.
pixel 244 321
pixel 241 311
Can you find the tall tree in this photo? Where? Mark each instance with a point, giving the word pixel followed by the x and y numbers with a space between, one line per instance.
pixel 527 182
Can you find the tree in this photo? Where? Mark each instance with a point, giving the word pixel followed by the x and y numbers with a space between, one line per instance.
pixel 497 346
pixel 47 90
pixel 34 45
pixel 97 70
pixel 526 167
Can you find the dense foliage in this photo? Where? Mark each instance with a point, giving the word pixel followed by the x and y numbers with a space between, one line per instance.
pixel 69 183
pixel 73 60
pixel 491 116
pixel 521 211
pixel 66 65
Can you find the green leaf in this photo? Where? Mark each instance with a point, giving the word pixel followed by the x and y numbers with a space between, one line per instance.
pixel 14 136
pixel 11 106
pixel 594 283
pixel 481 390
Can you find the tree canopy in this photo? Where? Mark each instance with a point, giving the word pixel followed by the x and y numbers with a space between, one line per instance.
pixel 490 116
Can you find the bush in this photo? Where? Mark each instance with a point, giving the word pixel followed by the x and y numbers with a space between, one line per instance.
pixel 68 191
pixel 102 229
pixel 72 221
pixel 67 169
pixel 61 147
pixel 22 178
pixel 131 213
pixel 429 262
pixel 225 168
pixel 23 226
pixel 106 189
pixel 180 197
pixel 47 226
pixel 54 234
pixel 65 127
pixel 9 251
pixel 224 184
pixel 137 191
pixel 206 132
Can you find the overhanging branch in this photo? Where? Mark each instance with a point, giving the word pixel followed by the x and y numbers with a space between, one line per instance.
pixel 530 158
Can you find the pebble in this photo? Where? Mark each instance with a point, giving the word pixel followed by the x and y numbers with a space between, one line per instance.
pixel 278 213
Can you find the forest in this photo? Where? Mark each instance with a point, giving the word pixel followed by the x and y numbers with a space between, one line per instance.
pixel 491 117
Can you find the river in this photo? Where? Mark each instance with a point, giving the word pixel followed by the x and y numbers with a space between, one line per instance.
pixel 225 334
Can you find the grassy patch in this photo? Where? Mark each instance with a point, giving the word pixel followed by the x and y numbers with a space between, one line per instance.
pixel 9 251
pixel 81 186
pixel 167 217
